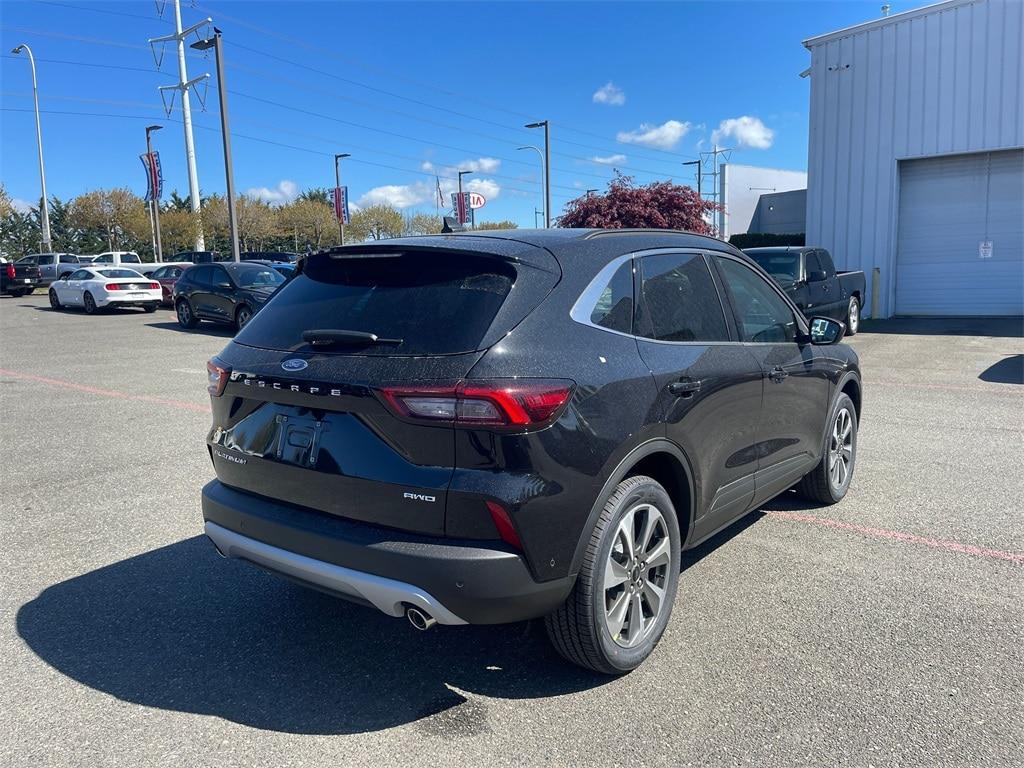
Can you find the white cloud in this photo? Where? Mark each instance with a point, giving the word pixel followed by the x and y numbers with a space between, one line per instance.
pixel 480 165
pixel 610 94
pixel 744 131
pixel 609 160
pixel 284 192
pixel 489 188
pixel 399 195
pixel 21 206
pixel 664 136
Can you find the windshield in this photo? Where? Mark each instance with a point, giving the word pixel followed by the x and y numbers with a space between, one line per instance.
pixel 119 273
pixel 782 265
pixel 256 278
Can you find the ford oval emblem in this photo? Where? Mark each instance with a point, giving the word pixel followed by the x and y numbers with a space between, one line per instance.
pixel 295 364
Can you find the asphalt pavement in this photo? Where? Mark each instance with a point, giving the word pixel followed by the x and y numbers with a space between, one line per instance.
pixel 885 630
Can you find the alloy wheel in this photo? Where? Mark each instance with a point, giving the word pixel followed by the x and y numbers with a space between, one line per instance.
pixel 244 315
pixel 854 316
pixel 636 575
pixel 184 314
pixel 840 459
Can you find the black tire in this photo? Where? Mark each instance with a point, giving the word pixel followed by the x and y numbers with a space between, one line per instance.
pixel 853 316
pixel 54 301
pixel 151 307
pixel 186 316
pixel 819 484
pixel 19 292
pixel 89 303
pixel 578 629
pixel 242 317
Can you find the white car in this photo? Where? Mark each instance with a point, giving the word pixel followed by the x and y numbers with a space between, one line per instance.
pixel 94 288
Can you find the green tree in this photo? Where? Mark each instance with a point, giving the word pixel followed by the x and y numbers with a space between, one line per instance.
pixel 506 224
pixel 116 213
pixel 423 224
pixel 316 195
pixel 308 221
pixel 376 222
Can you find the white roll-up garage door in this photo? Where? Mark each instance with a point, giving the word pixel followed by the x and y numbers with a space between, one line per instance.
pixel 960 246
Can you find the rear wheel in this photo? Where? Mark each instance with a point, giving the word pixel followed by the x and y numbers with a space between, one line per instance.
pixel 828 482
pixel 623 596
pixel 853 316
pixel 89 303
pixel 151 307
pixel 242 317
pixel 19 292
pixel 186 317
pixel 54 301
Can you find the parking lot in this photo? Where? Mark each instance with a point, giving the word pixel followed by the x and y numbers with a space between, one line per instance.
pixel 886 630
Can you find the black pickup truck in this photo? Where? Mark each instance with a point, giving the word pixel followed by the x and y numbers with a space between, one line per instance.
pixel 18 279
pixel 810 278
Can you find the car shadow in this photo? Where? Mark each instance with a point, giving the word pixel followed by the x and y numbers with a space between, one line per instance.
pixel 997 327
pixel 179 628
pixel 1009 370
pixel 208 329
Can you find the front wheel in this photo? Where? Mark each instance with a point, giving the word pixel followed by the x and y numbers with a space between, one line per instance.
pixel 186 317
pixel 54 301
pixel 622 599
pixel 828 482
pixel 853 316
pixel 242 317
pixel 89 303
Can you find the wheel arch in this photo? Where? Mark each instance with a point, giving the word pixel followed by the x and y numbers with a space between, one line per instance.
pixel 661 460
pixel 850 386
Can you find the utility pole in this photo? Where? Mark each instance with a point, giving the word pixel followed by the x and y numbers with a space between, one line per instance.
pixel 589 192
pixel 337 191
pixel 154 202
pixel 536 214
pixel 542 174
pixel 44 212
pixel 229 174
pixel 186 108
pixel 715 191
pixel 547 169
pixel 696 163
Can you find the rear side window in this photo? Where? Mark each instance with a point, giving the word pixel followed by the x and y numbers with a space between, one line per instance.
pixel 678 300
pixel 614 307
pixel 434 304
pixel 67 258
pixel 46 259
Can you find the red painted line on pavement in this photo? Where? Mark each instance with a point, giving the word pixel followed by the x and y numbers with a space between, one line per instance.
pixel 105 392
pixel 883 533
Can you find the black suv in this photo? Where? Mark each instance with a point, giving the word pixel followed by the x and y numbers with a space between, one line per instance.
pixel 224 293
pixel 486 428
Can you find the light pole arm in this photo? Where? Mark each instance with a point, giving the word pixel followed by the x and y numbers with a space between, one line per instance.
pixel 44 213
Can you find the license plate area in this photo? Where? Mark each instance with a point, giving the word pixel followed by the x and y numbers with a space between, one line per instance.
pixel 298 439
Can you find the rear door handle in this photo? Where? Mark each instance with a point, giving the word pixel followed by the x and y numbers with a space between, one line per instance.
pixel 778 373
pixel 684 387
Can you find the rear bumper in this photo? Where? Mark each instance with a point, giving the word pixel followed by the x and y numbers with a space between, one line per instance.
pixel 151 297
pixel 456 581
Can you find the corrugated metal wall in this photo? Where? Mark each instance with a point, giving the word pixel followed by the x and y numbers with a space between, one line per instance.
pixel 950 80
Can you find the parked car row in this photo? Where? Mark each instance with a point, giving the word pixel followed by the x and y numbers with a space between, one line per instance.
pixel 226 293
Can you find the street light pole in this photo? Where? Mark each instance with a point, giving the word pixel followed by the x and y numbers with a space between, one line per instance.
pixel 337 187
pixel 697 163
pixel 542 177
pixel 547 169
pixel 158 248
pixel 218 50
pixel 461 174
pixel 43 211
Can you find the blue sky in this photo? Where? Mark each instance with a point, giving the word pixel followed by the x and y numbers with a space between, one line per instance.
pixel 413 91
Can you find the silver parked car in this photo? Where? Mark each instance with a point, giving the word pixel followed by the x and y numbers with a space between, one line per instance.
pixel 52 266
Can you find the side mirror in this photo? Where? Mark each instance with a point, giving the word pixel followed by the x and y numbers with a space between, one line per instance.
pixel 816 276
pixel 223 284
pixel 826 331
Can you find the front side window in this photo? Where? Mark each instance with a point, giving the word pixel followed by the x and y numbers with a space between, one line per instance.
pixel 201 277
pixel 106 258
pixel 614 307
pixel 762 315
pixel 130 258
pixel 159 273
pixel 678 300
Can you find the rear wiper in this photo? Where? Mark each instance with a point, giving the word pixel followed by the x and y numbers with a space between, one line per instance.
pixel 328 337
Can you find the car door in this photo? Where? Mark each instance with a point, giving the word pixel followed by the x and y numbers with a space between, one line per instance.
pixel 222 295
pixel 74 288
pixel 67 263
pixel 199 291
pixel 791 427
pixel 48 266
pixel 709 386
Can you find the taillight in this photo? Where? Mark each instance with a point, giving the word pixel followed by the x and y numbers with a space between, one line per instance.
pixel 10 272
pixel 503 523
pixel 217 376
pixel 114 287
pixel 500 403
pixel 154 286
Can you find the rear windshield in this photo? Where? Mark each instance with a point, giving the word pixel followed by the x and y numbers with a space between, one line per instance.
pixel 434 304
pixel 130 258
pixel 119 273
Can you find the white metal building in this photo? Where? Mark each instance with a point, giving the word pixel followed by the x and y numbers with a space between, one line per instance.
pixel 916 156
pixel 741 186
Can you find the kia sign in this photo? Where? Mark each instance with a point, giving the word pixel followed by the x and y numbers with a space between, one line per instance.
pixel 476 200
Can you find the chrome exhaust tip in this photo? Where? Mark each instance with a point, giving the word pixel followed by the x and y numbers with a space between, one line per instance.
pixel 419 619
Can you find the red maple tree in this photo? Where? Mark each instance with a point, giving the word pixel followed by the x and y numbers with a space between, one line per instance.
pixel 659 205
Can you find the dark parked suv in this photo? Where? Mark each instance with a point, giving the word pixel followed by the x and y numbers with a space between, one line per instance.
pixel 486 428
